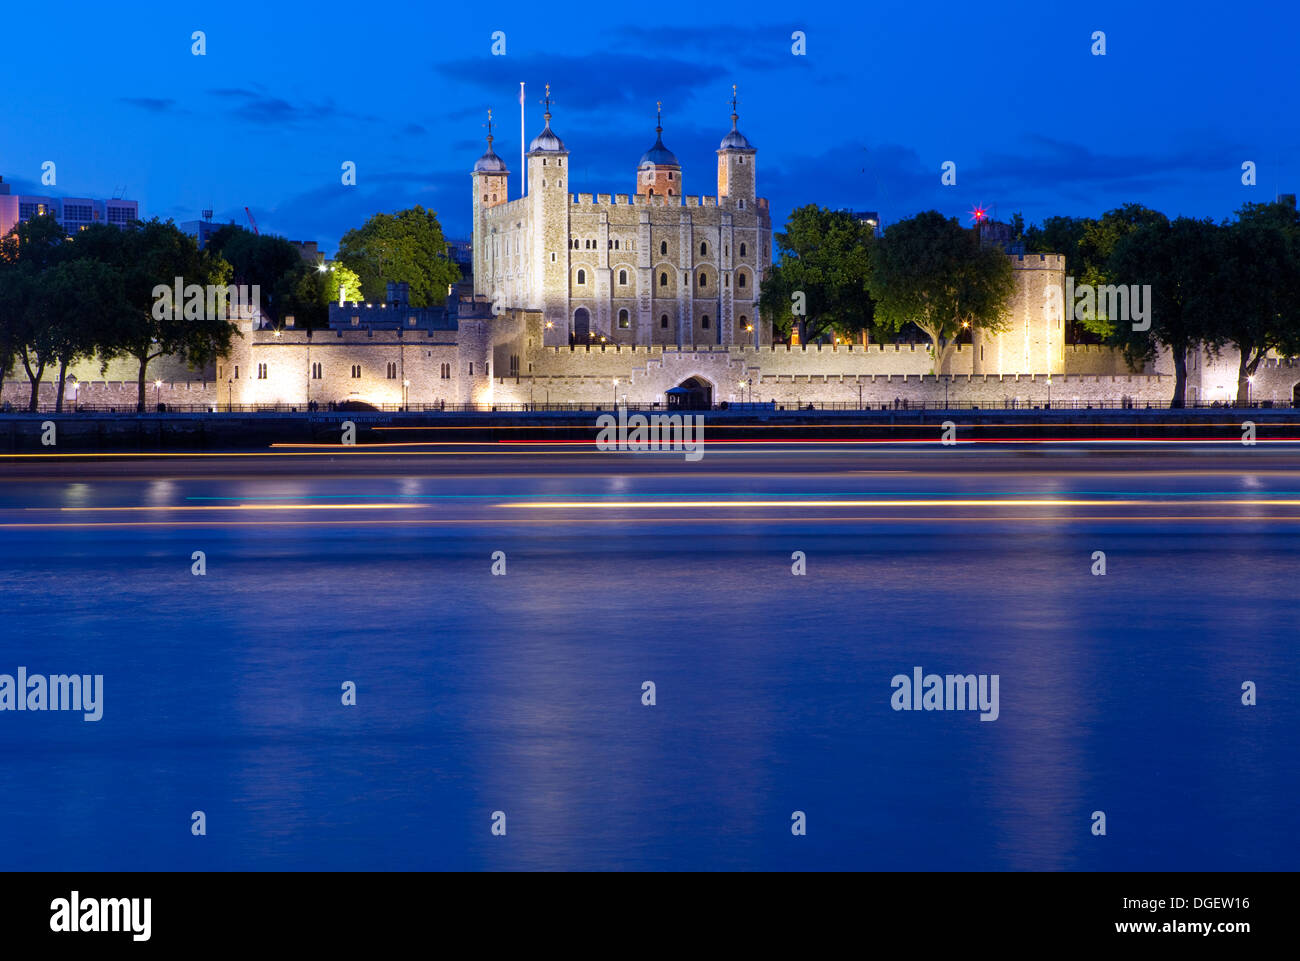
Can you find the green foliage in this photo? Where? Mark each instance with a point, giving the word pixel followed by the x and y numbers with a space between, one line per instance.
pixel 825 256
pixel 407 246
pixel 149 256
pixel 270 263
pixel 929 271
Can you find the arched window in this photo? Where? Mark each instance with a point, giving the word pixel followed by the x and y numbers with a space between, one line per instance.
pixel 670 175
pixel 704 249
pixel 742 250
pixel 663 246
pixel 663 279
pixel 704 280
pixel 663 321
pixel 742 205
pixel 624 321
pixel 740 280
pixel 485 198
pixel 582 277
pixel 652 191
pixel 670 191
pixel 616 245
pixel 494 196
pixel 704 322
pixel 622 278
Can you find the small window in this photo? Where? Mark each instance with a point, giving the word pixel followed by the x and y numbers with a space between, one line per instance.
pixel 391 371
pixel 742 250
pixel 740 280
pixel 356 371
pixel 236 372
pixel 485 198
pixel 670 175
pixel 552 256
pixel 494 197
pixel 616 245
pixel 622 278
pixel 315 371
pixel 704 280
pixel 663 321
pixel 742 205
pixel 543 161
pixel 582 277
pixel 742 159
pixel 261 371
pixel 704 322
pixel 663 280
pixel 611 244
pixel 624 321
pixel 471 368
pixel 663 247
pixel 704 249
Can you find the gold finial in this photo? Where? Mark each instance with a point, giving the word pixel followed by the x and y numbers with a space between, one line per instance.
pixel 734 116
pixel 659 116
pixel 547 102
pixel 489 126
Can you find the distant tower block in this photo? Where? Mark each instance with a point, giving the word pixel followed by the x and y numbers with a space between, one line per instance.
pixel 658 174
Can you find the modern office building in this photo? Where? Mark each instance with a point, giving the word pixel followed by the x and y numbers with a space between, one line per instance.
pixel 74 213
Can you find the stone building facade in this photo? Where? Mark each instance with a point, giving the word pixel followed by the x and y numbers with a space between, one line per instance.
pixel 655 266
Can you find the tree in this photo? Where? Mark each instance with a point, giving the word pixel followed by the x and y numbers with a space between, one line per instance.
pixel 1179 261
pixel 31 248
pixel 405 247
pixel 930 271
pixel 820 283
pixel 270 263
pixel 80 300
pixel 1059 235
pixel 152 255
pixel 316 288
pixel 1258 287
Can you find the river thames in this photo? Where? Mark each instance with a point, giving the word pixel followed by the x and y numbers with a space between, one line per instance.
pixel 521 692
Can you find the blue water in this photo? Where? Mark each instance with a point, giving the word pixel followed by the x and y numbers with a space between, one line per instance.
pixel 522 693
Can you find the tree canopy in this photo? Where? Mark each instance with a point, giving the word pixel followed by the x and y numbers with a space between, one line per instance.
pixel 930 271
pixel 403 247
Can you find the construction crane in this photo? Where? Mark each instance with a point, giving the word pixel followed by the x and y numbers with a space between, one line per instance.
pixel 252 221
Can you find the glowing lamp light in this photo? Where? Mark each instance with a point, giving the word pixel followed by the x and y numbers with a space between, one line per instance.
pixel 978 214
pixel 157 383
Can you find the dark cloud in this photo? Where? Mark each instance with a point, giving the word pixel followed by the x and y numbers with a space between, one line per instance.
pixel 257 107
pixel 151 104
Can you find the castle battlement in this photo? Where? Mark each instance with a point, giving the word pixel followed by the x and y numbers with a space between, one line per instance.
pixel 1038 261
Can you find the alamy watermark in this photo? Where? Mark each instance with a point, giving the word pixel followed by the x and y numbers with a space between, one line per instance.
pixel 183 301
pixel 1121 303
pixel 946 692
pixel 58 692
pixel 658 432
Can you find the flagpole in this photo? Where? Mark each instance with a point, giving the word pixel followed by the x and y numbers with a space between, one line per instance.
pixel 523 170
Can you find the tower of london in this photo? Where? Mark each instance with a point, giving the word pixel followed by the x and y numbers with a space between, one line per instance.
pixel 657 265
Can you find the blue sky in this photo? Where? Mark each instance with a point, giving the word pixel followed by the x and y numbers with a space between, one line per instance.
pixel 886 93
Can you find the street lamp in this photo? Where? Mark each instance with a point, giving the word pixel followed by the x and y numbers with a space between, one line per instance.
pixel 405 394
pixel 1250 383
pixel 157 386
pixel 615 391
